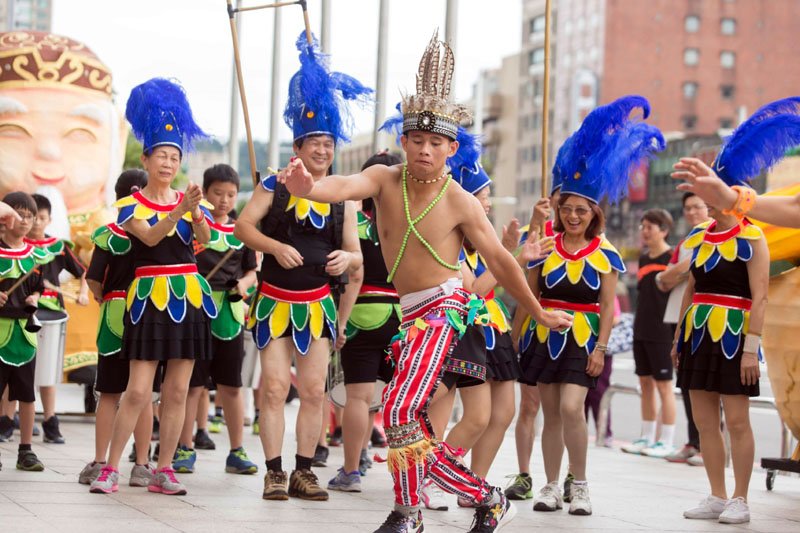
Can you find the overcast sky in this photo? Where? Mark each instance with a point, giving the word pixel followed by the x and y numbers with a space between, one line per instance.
pixel 190 40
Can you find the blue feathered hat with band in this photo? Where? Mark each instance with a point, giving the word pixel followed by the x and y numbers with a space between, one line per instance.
pixel 465 165
pixel 317 97
pixel 759 142
pixel 160 115
pixel 608 146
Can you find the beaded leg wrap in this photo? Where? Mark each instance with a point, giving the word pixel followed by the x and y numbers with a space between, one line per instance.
pixel 427 340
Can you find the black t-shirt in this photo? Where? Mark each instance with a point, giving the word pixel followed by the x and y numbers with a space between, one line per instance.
pixel 66 260
pixel 241 261
pixel 648 322
pixel 114 272
pixel 15 306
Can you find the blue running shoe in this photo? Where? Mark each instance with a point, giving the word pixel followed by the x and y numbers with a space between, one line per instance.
pixel 184 460
pixel 346 481
pixel 238 463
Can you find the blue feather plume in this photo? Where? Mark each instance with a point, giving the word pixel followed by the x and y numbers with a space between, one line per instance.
pixel 393 125
pixel 154 104
pixel 760 141
pixel 469 150
pixel 563 155
pixel 317 96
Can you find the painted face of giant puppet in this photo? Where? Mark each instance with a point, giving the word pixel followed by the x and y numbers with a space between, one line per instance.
pixel 58 125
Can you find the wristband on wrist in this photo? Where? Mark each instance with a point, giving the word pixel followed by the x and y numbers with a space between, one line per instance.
pixel 601 347
pixel 752 343
pixel 198 220
pixel 745 200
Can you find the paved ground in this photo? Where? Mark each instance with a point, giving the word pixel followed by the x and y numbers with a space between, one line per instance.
pixel 628 494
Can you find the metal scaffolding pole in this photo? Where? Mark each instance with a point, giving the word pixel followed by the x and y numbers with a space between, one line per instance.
pixel 380 81
pixel 273 160
pixel 233 132
pixel 325 29
pixel 451 31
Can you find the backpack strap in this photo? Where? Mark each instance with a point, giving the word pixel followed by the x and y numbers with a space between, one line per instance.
pixel 337 217
pixel 280 199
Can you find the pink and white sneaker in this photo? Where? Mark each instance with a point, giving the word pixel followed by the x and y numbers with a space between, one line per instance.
pixel 165 482
pixel 106 482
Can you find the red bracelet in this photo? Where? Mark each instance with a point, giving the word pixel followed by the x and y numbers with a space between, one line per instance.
pixel 199 219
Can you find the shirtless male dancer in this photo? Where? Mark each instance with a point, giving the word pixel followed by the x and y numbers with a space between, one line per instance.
pixel 421 237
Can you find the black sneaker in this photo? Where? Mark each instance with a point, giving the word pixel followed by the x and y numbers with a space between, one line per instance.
pixel 521 488
pixel 202 441
pixel 6 429
pixel 156 451
pixel 89 398
pixel 27 460
pixel 376 438
pixel 490 518
pixel 400 523
pixel 132 455
pixel 568 487
pixel 51 433
pixel 320 456
pixel 156 426
pixel 336 438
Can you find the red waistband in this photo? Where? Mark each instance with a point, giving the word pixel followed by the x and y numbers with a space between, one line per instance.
pixel 569 306
pixel 732 302
pixel 49 293
pixel 373 290
pixel 114 295
pixel 285 295
pixel 165 270
pixel 458 301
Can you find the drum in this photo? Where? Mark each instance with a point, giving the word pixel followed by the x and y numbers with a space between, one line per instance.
pixel 337 390
pixel 50 352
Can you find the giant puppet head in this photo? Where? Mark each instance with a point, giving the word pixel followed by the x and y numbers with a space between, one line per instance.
pixel 58 124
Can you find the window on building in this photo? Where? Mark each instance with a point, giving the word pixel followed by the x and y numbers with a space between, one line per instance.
pixel 727 92
pixel 726 123
pixel 535 121
pixel 727 26
pixel 692 24
pixel 536 56
pixel 536 24
pixel 689 90
pixel 537 87
pixel 691 56
pixel 727 59
pixel 689 122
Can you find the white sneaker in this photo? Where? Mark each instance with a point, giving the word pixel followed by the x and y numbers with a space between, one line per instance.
pixel 580 504
pixel 549 498
pixel 695 460
pixel 658 450
pixel 736 512
pixel 709 509
pixel 433 497
pixel 636 446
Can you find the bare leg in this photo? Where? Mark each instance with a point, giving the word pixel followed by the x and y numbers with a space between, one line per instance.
pixel 525 430
pixel 27 410
pixel 48 395
pixel 201 411
pixel 576 435
pixel 667 395
pixel 187 428
pixel 137 395
pixel 648 400
pixel 311 371
pixel 142 433
pixel 440 409
pixel 502 413
pixel 276 362
pixel 552 433
pixel 173 411
pixel 325 421
pixel 355 422
pixel 477 402
pixel 705 409
pixel 737 418
pixel 232 401
pixel 103 424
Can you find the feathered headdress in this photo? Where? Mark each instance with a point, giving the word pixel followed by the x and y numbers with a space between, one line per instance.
pixel 465 164
pixel 160 114
pixel 606 149
pixel 431 109
pixel 759 142
pixel 317 96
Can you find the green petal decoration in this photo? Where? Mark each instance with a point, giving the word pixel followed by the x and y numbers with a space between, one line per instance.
pixel 329 308
pixel 300 313
pixel 144 286
pixel 6 265
pixel 26 264
pixel 6 328
pixel 368 317
pixel 594 322
pixel 701 315
pixel 735 320
pixel 264 307
pixel 114 312
pixel 20 346
pixel 225 327
pixel 204 286
pixel 178 285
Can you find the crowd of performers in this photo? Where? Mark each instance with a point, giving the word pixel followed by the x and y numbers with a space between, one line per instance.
pixel 398 268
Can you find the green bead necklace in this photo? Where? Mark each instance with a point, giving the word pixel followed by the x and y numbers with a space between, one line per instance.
pixel 412 228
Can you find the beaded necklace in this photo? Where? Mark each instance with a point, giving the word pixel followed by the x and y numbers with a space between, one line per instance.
pixel 426 182
pixel 412 228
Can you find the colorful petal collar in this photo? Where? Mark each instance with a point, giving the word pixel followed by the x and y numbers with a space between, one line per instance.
pixel 112 238
pixel 709 246
pixel 222 238
pixel 315 212
pixel 588 263
pixel 138 207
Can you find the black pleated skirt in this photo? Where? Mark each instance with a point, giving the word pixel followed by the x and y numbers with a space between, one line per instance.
pixel 502 363
pixel 570 367
pixel 708 369
pixel 156 337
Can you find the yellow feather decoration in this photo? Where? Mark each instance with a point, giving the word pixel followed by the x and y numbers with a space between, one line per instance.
pixel 279 319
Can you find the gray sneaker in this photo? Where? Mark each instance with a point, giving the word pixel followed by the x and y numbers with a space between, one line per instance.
pixel 90 473
pixel 106 482
pixel 346 481
pixel 165 482
pixel 141 476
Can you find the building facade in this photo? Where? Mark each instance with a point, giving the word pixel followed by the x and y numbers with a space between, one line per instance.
pixel 26 15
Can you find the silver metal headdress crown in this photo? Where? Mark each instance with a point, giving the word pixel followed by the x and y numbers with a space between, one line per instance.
pixel 431 108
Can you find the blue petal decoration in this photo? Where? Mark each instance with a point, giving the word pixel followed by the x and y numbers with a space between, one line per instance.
pixel 615 260
pixel 209 306
pixel 137 309
pixel 555 343
pixel 261 334
pixel 730 343
pixel 697 337
pixel 269 182
pixel 554 277
pixel 489 333
pixel 695 251
pixel 679 347
pixel 125 213
pixel 590 276
pixel 590 344
pixel 712 261
pixel 317 220
pixel 744 250
pixel 176 307
pixel 302 339
pixel 184 231
pixel 480 268
pixel 462 256
pixel 533 264
pixel 153 220
pixel 525 339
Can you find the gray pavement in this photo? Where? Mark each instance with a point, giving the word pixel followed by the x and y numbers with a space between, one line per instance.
pixel 628 493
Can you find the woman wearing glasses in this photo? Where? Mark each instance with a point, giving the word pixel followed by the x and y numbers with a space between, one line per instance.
pixel 579 276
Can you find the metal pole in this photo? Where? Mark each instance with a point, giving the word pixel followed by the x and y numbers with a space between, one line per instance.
pixel 477 127
pixel 325 27
pixel 380 81
pixel 275 111
pixel 233 132
pixel 546 101
pixel 451 30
